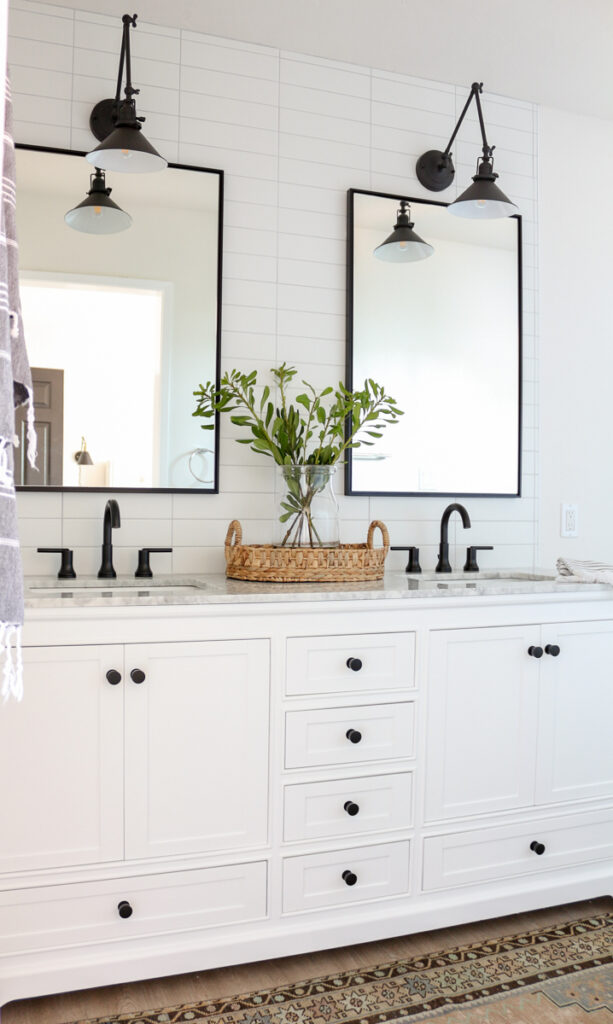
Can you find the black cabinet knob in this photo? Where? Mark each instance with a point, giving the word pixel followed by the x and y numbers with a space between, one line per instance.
pixel 137 675
pixel 535 652
pixel 124 909
pixel 354 664
pixel 113 676
pixel 536 847
pixel 351 808
pixel 353 735
pixel 552 649
pixel 349 878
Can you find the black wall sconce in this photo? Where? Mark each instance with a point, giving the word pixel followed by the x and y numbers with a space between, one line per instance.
pixel 123 147
pixel 403 245
pixel 98 214
pixel 482 200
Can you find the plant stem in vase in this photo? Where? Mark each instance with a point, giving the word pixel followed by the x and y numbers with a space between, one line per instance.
pixel 309 514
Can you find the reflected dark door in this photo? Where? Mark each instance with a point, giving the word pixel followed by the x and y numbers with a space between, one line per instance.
pixel 48 386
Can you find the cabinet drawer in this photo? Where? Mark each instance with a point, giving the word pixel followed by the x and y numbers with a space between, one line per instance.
pixel 317 879
pixel 323 664
pixel 327 736
pixel 88 912
pixel 349 807
pixel 465 858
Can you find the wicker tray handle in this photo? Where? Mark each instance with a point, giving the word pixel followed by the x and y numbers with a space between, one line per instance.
pixel 235 533
pixel 377 524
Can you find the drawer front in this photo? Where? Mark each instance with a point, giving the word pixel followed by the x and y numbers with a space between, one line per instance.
pixel 466 858
pixel 350 664
pixel 348 807
pixel 88 912
pixel 317 880
pixel 327 736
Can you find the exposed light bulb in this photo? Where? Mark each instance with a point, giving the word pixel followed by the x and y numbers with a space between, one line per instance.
pixel 97 210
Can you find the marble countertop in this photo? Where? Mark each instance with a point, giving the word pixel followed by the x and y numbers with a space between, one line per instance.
pixel 88 592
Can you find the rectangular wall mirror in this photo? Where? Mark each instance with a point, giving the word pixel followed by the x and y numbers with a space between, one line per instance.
pixel 444 337
pixel 120 328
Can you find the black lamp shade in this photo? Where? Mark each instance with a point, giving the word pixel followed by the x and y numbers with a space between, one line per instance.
pixel 403 245
pixel 483 200
pixel 84 458
pixel 98 214
pixel 127 150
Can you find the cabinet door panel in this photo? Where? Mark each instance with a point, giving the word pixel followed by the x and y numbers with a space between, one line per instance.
pixel 482 708
pixel 61 761
pixel 196 747
pixel 575 750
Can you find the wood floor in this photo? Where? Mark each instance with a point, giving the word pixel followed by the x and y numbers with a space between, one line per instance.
pixel 188 988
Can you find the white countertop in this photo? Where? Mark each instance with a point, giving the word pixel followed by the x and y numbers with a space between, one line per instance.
pixel 126 591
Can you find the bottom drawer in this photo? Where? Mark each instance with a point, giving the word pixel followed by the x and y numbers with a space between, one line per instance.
pixel 345 876
pixel 465 858
pixel 89 912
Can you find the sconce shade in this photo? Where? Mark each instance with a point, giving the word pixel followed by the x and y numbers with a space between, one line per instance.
pixel 483 200
pixel 82 457
pixel 115 124
pixel 403 245
pixel 98 214
pixel 126 149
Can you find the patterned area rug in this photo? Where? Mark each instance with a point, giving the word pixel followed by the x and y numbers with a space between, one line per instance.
pixel 559 974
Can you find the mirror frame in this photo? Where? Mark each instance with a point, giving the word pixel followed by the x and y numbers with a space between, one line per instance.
pixel 155 490
pixel 349 489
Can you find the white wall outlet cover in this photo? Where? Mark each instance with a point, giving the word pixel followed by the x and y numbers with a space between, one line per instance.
pixel 569 525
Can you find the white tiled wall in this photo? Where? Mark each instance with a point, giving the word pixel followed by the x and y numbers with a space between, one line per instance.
pixel 292 133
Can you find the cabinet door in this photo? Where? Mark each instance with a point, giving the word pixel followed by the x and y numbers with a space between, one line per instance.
pixel 575 748
pixel 196 747
pixel 482 710
pixel 61 761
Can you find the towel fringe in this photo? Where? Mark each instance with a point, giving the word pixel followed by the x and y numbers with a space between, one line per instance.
pixel 10 650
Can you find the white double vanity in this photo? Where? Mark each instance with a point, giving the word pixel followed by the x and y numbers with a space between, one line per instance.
pixel 206 772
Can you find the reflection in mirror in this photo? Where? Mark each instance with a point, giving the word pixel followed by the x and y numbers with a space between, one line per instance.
pixel 120 328
pixel 444 336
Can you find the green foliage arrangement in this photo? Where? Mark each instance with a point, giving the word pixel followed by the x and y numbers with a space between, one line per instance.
pixel 316 431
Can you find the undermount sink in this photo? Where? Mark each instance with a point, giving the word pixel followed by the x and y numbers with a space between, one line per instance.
pixel 139 588
pixel 454 580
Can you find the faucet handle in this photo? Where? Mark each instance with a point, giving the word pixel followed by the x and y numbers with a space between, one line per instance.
pixel 471 556
pixel 413 562
pixel 66 571
pixel 144 569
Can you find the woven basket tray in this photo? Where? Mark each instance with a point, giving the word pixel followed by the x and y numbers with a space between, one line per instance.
pixel 269 563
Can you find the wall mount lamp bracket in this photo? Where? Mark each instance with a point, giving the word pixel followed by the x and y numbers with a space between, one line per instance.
pixel 435 168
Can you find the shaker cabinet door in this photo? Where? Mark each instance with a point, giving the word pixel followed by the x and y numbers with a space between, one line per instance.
pixel 482 700
pixel 575 745
pixel 61 760
pixel 197 722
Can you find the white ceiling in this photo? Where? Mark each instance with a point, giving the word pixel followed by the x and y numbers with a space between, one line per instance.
pixel 553 52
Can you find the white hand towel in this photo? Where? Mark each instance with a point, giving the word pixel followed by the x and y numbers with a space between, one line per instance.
pixel 589 572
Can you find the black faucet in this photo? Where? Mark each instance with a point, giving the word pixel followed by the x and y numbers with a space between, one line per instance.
pixel 443 551
pixel 112 521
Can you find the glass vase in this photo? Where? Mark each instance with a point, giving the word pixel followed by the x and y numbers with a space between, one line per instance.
pixel 308 515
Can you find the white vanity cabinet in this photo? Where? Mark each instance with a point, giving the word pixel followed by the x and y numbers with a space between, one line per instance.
pixel 194 786
pixel 523 715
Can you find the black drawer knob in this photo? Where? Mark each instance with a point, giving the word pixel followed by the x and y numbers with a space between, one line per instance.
pixel 354 664
pixel 113 676
pixel 353 735
pixel 124 909
pixel 349 878
pixel 137 675
pixel 535 652
pixel 552 649
pixel 351 808
pixel 538 848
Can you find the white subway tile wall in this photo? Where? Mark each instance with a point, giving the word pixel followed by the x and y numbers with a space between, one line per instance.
pixel 292 134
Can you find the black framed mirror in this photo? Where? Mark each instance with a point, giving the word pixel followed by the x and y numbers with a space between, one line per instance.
pixel 120 327
pixel 443 335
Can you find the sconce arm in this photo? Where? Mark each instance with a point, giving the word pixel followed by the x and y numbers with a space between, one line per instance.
pixel 475 89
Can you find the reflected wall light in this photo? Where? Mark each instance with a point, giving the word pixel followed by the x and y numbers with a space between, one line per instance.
pixel 482 200
pixel 98 214
pixel 82 456
pixel 403 245
pixel 123 147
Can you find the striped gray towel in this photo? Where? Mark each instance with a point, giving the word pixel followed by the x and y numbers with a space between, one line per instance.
pixel 15 390
pixel 589 572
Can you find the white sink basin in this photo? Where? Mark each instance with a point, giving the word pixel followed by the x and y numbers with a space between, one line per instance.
pixel 138 589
